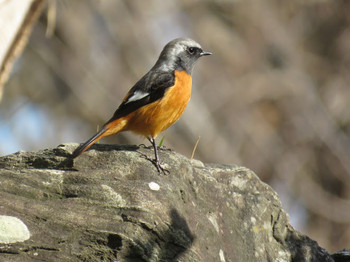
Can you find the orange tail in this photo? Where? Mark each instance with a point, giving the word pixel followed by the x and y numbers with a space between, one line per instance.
pixel 109 129
pixel 88 143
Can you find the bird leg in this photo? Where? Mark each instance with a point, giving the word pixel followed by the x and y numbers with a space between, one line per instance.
pixel 156 160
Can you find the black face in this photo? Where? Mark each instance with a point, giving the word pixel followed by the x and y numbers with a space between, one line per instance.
pixel 194 51
pixel 189 56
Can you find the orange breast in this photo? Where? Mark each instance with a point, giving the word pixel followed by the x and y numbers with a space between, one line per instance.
pixel 154 118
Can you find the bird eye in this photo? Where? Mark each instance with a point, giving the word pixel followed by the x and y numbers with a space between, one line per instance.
pixel 191 50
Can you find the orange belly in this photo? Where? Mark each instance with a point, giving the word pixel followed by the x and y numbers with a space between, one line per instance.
pixel 154 118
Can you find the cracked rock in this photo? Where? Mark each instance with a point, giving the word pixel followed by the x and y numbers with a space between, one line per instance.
pixel 110 204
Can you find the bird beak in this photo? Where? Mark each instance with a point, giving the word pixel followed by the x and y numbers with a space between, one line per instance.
pixel 204 53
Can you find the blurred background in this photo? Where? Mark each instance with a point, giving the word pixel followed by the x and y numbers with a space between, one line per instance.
pixel 274 97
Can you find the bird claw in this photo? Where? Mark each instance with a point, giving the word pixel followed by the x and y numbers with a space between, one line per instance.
pixel 160 169
pixel 157 164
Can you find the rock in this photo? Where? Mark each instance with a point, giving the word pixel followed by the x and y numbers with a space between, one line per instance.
pixel 110 204
pixel 12 230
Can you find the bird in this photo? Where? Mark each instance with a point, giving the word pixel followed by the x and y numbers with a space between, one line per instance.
pixel 158 99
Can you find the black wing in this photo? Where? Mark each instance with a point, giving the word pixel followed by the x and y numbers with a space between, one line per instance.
pixel 153 85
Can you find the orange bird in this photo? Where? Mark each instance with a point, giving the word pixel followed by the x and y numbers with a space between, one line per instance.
pixel 158 99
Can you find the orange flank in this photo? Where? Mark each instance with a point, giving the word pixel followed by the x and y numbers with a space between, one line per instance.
pixel 154 118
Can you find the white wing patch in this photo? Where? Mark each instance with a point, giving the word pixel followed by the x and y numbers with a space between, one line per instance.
pixel 137 96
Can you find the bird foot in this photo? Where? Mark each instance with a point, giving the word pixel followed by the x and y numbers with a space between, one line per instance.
pixel 159 167
pixel 157 164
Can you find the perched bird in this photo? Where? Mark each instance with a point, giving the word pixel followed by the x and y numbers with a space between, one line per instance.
pixel 158 99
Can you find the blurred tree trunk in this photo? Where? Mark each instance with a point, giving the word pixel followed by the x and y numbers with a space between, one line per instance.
pixel 17 20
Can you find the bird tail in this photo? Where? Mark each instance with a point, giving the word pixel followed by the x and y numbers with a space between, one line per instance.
pixel 110 128
pixel 80 149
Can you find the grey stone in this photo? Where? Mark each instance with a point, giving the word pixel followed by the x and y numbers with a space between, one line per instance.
pixel 110 204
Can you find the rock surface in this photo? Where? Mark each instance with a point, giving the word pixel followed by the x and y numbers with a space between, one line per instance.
pixel 110 204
